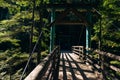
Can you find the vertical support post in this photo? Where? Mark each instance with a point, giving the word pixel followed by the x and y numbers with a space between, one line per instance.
pixel 99 43
pixel 102 58
pixel 52 30
pixel 88 39
pixel 100 33
pixel 88 32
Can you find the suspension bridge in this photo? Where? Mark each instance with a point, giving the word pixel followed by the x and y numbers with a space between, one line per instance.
pixel 73 58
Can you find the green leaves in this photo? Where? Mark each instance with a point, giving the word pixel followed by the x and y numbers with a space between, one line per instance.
pixel 11 64
pixel 110 26
pixel 4 4
pixel 15 34
pixel 23 3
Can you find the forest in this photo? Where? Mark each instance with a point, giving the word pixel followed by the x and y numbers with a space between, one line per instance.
pixel 22 21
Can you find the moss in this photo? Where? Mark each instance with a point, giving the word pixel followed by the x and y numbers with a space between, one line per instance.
pixel 44 53
pixel 115 63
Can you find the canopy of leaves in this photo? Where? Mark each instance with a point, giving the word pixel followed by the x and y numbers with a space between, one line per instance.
pixel 110 13
pixel 15 28
pixel 16 19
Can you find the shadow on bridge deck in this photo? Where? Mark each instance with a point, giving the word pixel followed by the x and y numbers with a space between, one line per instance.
pixel 72 68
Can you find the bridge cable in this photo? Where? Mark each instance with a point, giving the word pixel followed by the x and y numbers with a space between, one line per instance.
pixel 31 55
pixel 40 35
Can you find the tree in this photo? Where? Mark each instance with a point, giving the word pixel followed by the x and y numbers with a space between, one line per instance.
pixel 15 27
pixel 110 26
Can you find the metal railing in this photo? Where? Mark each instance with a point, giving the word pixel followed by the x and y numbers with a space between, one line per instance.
pixel 49 65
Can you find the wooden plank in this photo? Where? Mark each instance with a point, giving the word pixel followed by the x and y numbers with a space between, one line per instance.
pixel 78 50
pixel 110 55
pixel 34 74
pixel 78 46
pixel 77 6
pixel 70 23
pixel 115 68
pixel 41 69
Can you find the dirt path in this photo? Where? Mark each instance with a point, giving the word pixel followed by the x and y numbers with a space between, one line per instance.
pixel 71 68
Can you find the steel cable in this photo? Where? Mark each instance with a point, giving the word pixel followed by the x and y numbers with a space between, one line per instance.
pixel 31 56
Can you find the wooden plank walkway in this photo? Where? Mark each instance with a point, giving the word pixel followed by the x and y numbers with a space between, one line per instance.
pixel 68 66
pixel 71 68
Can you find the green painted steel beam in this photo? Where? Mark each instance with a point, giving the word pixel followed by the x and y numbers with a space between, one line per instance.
pixel 88 32
pixel 52 31
pixel 88 39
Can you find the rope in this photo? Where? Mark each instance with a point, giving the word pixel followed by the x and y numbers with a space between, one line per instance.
pixel 31 56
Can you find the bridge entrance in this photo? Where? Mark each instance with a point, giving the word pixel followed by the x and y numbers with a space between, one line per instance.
pixel 67 20
pixel 68 27
pixel 69 35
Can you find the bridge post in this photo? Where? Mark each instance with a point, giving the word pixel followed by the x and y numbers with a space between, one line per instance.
pixel 88 32
pixel 52 30
pixel 88 39
pixel 100 34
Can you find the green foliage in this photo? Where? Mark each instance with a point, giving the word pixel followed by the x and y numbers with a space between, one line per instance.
pixel 11 28
pixel 15 34
pixel 44 53
pixel 8 44
pixel 11 63
pixel 45 39
pixel 4 4
pixel 110 14
pixel 115 63
pixel 110 26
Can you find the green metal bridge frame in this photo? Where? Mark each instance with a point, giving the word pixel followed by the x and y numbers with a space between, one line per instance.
pixel 87 20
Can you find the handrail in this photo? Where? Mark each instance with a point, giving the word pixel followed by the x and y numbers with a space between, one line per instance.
pixel 110 55
pixel 104 64
pixel 100 63
pixel 79 50
pixel 41 69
